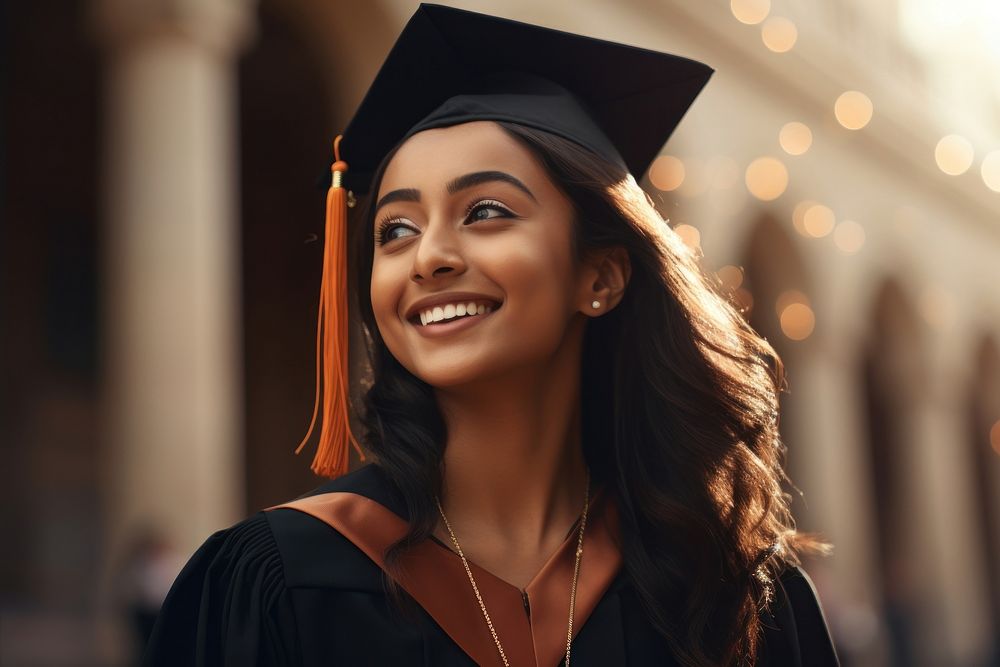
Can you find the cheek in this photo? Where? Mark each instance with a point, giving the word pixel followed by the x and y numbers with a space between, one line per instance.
pixel 386 290
pixel 538 270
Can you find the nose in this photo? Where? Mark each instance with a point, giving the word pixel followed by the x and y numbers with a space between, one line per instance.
pixel 438 253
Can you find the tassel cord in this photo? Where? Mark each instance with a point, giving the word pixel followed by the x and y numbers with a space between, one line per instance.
pixel 332 457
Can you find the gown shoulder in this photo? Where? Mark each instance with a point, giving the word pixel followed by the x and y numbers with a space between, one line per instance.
pixel 232 605
pixel 795 629
pixel 229 604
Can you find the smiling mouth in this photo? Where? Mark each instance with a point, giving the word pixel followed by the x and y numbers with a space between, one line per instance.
pixel 445 314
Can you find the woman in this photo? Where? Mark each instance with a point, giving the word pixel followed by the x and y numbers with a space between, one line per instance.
pixel 575 443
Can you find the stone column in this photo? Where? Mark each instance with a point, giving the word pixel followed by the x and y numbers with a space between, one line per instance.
pixel 952 575
pixel 172 352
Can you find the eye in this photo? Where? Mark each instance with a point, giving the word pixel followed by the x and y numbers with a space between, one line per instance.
pixel 473 212
pixel 387 230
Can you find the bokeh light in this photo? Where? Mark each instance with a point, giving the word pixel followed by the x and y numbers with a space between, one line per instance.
pixel 690 235
pixel 787 298
pixel 991 170
pixel 730 276
pixel 779 34
pixel 750 12
pixel 795 138
pixel 849 236
pixel 798 321
pixel 795 315
pixel 666 173
pixel 799 214
pixel 818 221
pixel 954 154
pixel 766 178
pixel 853 109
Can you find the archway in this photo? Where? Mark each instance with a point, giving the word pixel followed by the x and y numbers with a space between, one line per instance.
pixel 889 379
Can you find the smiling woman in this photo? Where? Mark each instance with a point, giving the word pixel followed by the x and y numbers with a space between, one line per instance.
pixel 574 437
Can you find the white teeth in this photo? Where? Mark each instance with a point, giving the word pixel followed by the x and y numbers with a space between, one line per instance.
pixel 451 311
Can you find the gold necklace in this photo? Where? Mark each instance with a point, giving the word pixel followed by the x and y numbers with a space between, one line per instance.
pixel 572 594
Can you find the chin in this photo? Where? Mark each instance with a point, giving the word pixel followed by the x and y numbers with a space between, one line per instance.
pixel 474 371
pixel 450 375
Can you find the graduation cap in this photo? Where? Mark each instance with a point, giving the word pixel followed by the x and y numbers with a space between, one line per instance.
pixel 452 66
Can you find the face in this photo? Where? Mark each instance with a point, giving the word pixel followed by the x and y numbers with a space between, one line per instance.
pixel 472 224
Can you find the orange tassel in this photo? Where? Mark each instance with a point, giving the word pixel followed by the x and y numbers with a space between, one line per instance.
pixel 332 453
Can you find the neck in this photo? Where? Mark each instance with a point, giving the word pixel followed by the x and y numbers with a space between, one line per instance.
pixel 513 464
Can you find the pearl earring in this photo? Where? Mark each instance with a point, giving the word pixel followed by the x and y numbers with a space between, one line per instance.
pixel 596 304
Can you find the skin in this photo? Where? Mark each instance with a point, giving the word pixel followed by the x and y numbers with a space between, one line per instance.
pixel 508 387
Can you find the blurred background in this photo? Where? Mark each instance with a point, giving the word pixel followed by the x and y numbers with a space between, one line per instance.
pixel 160 264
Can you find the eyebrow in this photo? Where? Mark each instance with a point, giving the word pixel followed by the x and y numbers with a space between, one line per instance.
pixel 460 183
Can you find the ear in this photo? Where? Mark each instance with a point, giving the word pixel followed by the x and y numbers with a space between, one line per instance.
pixel 605 276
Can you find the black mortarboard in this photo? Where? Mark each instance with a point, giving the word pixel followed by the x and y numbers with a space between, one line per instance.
pixel 452 66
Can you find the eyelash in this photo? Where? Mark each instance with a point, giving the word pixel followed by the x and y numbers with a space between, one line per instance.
pixel 390 222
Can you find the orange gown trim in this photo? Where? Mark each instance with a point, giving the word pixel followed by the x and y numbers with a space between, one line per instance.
pixel 435 577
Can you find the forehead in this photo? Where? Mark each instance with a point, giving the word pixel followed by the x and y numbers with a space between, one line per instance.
pixel 430 158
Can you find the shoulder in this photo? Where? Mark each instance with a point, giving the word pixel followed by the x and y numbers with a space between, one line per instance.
pixel 800 591
pixel 315 554
pixel 283 547
pixel 245 550
pixel 795 628
pixel 800 597
pixel 232 602
pixel 232 587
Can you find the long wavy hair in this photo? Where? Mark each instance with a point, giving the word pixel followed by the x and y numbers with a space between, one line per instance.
pixel 680 405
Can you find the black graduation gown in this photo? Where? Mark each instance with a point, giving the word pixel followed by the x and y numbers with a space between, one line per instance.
pixel 301 584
